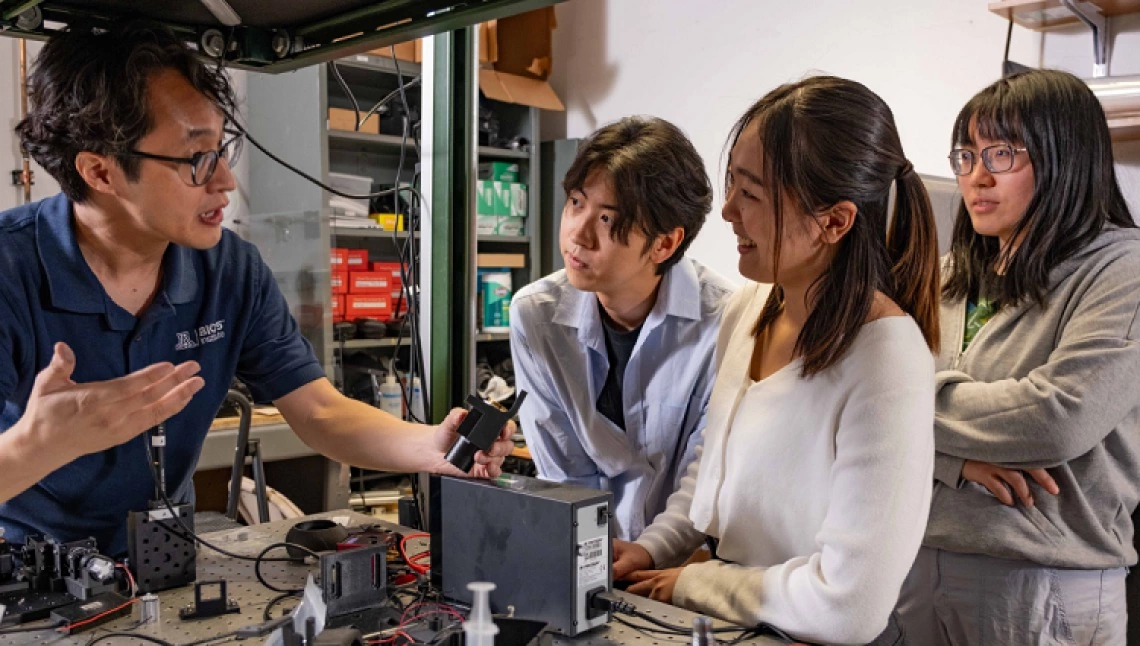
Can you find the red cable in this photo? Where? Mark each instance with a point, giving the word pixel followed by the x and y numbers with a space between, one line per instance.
pixel 412 562
pixel 130 577
pixel 70 627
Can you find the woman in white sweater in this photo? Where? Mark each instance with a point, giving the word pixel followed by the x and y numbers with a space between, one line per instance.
pixel 814 482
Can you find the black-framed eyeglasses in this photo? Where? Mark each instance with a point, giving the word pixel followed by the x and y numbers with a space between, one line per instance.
pixel 997 158
pixel 202 165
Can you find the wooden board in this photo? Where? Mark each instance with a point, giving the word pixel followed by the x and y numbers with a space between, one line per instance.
pixel 1044 14
pixel 1125 128
pixel 261 417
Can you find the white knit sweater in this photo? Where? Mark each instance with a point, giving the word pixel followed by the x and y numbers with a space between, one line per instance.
pixel 818 488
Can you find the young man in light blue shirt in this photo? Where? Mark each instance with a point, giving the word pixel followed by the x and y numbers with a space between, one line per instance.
pixel 616 350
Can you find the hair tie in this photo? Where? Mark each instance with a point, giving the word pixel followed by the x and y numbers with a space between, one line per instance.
pixel 905 170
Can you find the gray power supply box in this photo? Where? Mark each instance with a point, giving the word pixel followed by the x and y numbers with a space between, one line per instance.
pixel 545 546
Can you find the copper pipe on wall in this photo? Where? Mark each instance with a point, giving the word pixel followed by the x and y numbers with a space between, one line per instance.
pixel 26 172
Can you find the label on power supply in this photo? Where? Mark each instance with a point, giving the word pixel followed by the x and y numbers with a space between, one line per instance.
pixel 593 557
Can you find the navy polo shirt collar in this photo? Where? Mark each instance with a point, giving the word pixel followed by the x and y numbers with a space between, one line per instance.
pixel 72 284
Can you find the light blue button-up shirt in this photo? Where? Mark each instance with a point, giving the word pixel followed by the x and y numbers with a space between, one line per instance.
pixel 559 351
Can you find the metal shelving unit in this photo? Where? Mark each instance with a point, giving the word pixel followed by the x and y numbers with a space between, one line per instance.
pixel 369 232
pixel 505 239
pixel 488 152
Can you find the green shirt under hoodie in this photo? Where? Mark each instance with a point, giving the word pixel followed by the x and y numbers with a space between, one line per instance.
pixel 1057 388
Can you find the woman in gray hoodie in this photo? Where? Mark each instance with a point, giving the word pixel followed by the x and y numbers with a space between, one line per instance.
pixel 1037 423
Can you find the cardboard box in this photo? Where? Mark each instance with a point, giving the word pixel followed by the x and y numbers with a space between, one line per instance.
pixel 517 53
pixel 357 260
pixel 508 260
pixel 509 88
pixel 525 43
pixel 367 306
pixel 516 201
pixel 499 171
pixel 338 258
pixel 338 307
pixel 339 282
pixel 369 282
pixel 410 50
pixel 342 119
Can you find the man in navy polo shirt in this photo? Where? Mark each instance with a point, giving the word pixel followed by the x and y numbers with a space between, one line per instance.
pixel 123 302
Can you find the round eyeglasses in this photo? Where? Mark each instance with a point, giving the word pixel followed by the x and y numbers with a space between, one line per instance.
pixel 997 158
pixel 203 164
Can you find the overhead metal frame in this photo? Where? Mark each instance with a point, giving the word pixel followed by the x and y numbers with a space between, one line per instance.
pixel 253 46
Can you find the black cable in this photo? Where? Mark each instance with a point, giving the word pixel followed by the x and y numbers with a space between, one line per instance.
pixel 387 98
pixel 188 535
pixel 649 631
pixel 417 354
pixel 317 182
pixel 611 602
pixel 344 86
pixel 207 640
pixel 680 630
pixel 145 638
pixel 267 613
pixel 32 629
pixel 261 557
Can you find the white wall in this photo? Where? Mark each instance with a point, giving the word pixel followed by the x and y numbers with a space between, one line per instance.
pixel 10 159
pixel 701 64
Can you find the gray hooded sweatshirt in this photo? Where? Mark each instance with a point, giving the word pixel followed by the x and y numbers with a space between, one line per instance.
pixel 1057 388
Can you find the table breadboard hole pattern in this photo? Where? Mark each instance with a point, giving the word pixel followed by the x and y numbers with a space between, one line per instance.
pixel 252 597
pixel 164 556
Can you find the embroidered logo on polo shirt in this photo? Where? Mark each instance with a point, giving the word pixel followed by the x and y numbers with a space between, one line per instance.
pixel 191 339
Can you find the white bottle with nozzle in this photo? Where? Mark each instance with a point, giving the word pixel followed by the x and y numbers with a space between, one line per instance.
pixel 391 396
pixel 479 629
pixel 417 402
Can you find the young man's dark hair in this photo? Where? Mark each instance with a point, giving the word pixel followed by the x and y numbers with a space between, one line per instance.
pixel 658 178
pixel 88 92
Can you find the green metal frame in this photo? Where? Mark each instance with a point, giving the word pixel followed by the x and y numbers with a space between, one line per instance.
pixel 371 27
pixel 452 228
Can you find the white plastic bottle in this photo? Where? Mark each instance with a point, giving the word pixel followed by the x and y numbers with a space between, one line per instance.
pixel 479 629
pixel 391 396
pixel 417 400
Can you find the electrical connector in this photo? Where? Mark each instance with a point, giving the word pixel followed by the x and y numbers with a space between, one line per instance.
pixel 600 600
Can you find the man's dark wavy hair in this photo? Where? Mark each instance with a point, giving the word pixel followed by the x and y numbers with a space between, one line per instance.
pixel 88 92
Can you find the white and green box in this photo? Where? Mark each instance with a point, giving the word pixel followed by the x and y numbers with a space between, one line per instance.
pixel 487 225
pixel 499 171
pixel 485 200
pixel 518 201
pixel 496 290
pixel 512 226
pixel 502 190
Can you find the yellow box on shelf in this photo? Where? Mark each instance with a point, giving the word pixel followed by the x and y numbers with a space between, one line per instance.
pixel 389 221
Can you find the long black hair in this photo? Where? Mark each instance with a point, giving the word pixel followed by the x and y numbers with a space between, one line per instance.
pixel 828 140
pixel 1062 126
